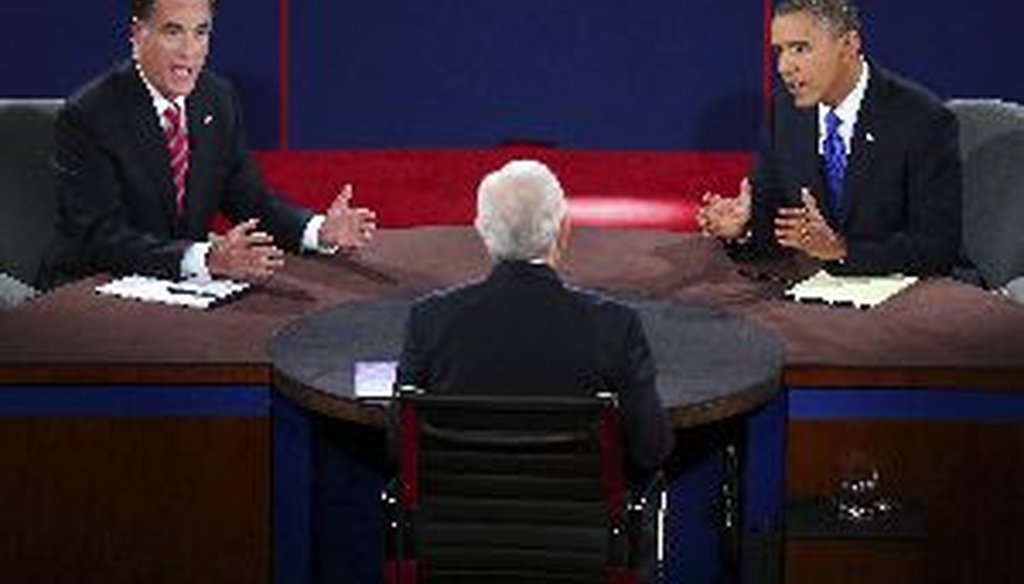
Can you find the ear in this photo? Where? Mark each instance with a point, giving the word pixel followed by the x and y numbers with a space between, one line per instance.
pixel 852 43
pixel 135 30
pixel 564 229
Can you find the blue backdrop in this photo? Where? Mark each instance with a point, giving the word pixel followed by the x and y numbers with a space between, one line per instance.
pixel 655 74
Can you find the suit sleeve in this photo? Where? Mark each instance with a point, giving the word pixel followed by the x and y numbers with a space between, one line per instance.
pixel 930 244
pixel 769 193
pixel 246 194
pixel 91 210
pixel 767 185
pixel 648 436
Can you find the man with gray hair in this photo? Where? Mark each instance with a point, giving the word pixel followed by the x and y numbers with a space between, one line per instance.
pixel 521 331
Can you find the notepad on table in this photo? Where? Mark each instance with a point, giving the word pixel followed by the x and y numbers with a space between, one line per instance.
pixel 858 291
pixel 199 294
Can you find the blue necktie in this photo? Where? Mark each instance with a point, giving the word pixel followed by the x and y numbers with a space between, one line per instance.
pixel 835 163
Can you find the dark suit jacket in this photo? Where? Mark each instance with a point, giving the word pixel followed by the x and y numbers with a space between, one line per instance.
pixel 521 331
pixel 902 185
pixel 116 210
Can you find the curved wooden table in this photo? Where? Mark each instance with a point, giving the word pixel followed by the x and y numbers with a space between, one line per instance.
pixel 711 364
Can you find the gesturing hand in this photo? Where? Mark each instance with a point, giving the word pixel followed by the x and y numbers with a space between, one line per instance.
pixel 725 217
pixel 804 228
pixel 345 226
pixel 243 253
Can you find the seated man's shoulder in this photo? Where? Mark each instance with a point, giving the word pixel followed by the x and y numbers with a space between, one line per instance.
pixel 98 93
pixel 446 297
pixel 910 96
pixel 602 305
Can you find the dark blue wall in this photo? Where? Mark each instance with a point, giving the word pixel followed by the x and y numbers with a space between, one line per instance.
pixel 955 48
pixel 596 73
pixel 674 74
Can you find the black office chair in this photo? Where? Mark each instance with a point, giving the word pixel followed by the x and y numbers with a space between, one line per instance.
pixel 499 489
pixel 992 150
pixel 27 197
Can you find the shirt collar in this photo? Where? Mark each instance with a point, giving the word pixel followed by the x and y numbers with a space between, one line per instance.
pixel 848 110
pixel 160 103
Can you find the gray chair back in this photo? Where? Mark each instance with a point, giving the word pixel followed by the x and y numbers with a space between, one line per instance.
pixel 28 201
pixel 992 150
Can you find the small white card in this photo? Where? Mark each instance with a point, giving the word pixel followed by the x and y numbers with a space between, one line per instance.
pixel 375 379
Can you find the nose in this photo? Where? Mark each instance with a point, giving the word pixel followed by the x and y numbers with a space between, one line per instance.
pixel 194 45
pixel 787 66
pixel 784 64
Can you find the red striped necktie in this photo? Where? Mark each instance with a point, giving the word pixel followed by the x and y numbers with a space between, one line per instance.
pixel 177 146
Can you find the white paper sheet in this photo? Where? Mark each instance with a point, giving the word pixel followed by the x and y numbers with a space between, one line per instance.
pixel 858 291
pixel 200 294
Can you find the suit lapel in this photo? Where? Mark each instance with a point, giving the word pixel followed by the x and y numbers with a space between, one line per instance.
pixel 201 124
pixel 862 146
pixel 150 143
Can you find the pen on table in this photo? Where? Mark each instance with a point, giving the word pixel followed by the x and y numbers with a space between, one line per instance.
pixel 181 290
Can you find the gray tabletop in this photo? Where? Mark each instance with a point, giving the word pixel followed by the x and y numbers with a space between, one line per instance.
pixel 711 364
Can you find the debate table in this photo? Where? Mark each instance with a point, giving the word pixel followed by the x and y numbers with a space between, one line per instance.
pixel 137 438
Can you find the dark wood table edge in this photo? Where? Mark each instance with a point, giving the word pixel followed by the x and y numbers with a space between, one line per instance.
pixel 904 377
pixel 818 376
pixel 327 404
pixel 373 413
pixel 136 373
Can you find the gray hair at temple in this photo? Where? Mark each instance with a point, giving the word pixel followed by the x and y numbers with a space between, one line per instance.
pixel 519 210
pixel 841 16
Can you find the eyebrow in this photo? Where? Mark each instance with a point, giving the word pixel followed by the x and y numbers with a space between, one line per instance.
pixel 201 27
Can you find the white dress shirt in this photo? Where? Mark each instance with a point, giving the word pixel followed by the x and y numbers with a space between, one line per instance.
pixel 847 110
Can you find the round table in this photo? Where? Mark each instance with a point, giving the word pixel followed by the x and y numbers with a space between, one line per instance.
pixel 711 365
pixel 714 369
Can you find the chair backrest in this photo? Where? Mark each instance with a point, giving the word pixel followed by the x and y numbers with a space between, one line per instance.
pixel 992 150
pixel 499 489
pixel 28 200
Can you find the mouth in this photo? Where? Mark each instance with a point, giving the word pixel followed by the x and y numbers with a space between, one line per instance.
pixel 182 73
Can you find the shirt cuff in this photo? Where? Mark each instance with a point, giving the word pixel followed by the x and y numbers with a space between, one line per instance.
pixel 311 236
pixel 193 263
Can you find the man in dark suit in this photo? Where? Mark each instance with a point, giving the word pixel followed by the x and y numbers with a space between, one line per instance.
pixel 522 331
pixel 860 168
pixel 149 152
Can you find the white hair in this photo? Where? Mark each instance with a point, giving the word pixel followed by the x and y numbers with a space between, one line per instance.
pixel 519 210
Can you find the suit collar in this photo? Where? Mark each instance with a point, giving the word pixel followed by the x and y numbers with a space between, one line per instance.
pixel 863 141
pixel 150 143
pixel 160 103
pixel 521 269
pixel 201 127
